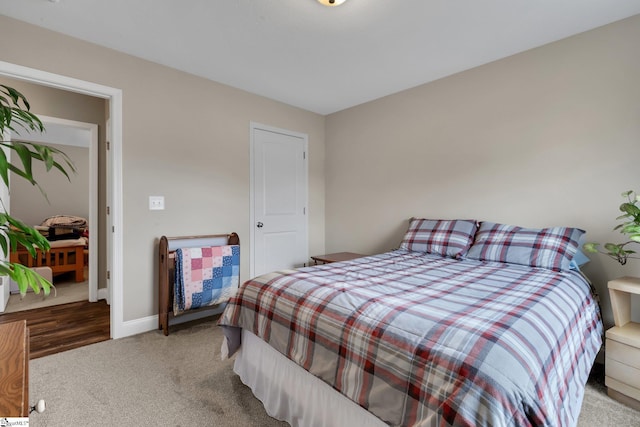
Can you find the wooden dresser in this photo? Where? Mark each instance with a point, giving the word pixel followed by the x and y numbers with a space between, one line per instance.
pixel 14 369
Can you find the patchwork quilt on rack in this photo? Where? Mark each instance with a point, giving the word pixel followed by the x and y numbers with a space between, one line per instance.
pixel 205 276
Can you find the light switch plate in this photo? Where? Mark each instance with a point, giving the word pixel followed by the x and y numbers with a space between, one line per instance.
pixel 156 203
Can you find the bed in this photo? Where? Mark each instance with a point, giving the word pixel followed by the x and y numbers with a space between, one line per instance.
pixel 466 324
pixel 68 240
pixel 64 256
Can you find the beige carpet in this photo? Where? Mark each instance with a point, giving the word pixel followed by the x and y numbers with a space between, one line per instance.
pixel 179 380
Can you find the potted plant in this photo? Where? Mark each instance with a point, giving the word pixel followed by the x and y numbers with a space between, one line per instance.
pixel 630 228
pixel 15 116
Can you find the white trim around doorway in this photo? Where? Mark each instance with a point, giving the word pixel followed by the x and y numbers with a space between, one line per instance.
pixel 119 328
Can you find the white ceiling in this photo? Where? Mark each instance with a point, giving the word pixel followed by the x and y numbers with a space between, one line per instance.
pixel 319 58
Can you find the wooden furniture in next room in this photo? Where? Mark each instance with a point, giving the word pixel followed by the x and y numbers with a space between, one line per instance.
pixel 335 257
pixel 63 257
pixel 622 361
pixel 14 370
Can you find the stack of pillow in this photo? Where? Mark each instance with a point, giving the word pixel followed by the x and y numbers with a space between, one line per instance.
pixel 554 248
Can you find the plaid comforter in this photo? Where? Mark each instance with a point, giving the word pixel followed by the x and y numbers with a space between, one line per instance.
pixel 420 340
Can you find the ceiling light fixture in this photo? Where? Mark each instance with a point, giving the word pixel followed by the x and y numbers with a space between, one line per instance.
pixel 331 2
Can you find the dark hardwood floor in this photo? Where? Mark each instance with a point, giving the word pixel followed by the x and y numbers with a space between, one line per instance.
pixel 63 327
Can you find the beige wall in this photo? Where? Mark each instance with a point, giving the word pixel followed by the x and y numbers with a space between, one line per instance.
pixel 185 138
pixel 547 137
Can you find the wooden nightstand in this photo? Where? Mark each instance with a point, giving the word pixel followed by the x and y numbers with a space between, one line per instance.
pixel 335 257
pixel 622 348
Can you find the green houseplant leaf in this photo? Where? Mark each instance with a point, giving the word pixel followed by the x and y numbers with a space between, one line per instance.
pixel 630 228
pixel 15 116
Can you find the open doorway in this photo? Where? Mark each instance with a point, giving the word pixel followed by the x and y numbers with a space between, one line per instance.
pixel 113 226
pixel 79 122
pixel 68 216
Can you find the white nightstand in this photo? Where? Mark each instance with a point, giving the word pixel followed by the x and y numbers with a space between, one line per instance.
pixel 622 348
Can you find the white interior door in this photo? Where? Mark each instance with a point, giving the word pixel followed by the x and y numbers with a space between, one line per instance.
pixel 279 199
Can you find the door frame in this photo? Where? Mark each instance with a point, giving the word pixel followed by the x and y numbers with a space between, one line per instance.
pixel 5 283
pixel 114 174
pixel 252 218
pixel 92 145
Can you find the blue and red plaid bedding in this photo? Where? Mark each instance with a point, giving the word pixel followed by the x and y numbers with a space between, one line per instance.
pixel 421 340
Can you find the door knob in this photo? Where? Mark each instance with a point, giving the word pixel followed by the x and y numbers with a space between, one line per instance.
pixel 259 225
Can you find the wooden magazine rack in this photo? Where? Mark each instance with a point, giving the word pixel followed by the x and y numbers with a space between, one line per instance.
pixel 166 275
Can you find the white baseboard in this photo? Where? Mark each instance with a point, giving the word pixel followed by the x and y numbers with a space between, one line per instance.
pixel 138 326
pixel 150 323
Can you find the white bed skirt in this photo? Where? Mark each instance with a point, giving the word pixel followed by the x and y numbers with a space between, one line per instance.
pixel 291 394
